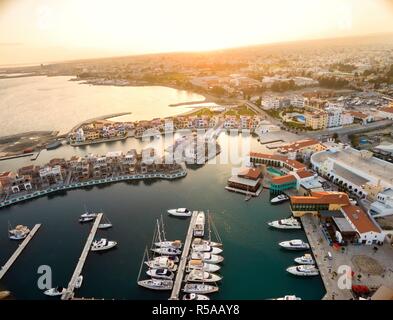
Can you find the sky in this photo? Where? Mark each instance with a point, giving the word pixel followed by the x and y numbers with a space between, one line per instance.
pixel 35 31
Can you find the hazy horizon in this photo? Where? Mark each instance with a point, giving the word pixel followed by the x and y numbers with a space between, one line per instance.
pixel 42 31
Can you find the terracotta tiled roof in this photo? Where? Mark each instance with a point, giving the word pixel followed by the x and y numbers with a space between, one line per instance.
pixel 298 145
pixel 388 109
pixel 283 179
pixel 5 174
pixel 360 219
pixel 250 173
pixel 359 115
pixel 304 174
pixel 293 163
pixel 322 197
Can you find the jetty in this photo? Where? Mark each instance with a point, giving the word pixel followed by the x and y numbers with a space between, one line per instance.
pixel 18 251
pixel 183 260
pixel 104 117
pixel 69 293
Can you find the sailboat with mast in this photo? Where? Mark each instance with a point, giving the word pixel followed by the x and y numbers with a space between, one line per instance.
pixel 164 247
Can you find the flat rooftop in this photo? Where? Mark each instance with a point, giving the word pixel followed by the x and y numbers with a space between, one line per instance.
pixel 374 167
pixel 348 175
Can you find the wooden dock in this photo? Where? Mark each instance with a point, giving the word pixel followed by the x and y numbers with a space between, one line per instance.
pixel 183 260
pixel 69 293
pixel 18 251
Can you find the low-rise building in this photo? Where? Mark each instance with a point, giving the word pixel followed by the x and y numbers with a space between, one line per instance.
pixel 316 120
pixel 387 112
pixel 246 180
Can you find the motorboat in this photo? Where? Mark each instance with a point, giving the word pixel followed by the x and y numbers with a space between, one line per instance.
pixel 162 262
pixel 200 265
pixel 306 259
pixel 156 284
pixel 199 288
pixel 78 282
pixel 303 270
pixel 53 292
pixel 180 212
pixel 202 276
pixel 290 223
pixel 206 248
pixel 206 257
pixel 20 232
pixel 105 224
pixel 198 241
pixel 103 244
pixel 289 297
pixel 169 244
pixel 279 199
pixel 161 273
pixel 199 228
pixel 86 219
pixel 194 296
pixel 169 251
pixel 89 215
pixel 294 245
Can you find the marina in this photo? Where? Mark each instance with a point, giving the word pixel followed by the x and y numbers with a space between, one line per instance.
pixel 18 251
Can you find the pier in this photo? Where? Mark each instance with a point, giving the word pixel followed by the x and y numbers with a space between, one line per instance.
pixel 183 260
pixel 18 251
pixel 69 293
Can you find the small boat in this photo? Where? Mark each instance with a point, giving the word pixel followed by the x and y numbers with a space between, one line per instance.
pixel 180 212
pixel 306 259
pixel 207 257
pixel 202 276
pixel 106 224
pixel 289 297
pixel 4 294
pixel 162 262
pixel 20 232
pixel 156 284
pixel 279 199
pixel 199 228
pixel 161 273
pixel 103 244
pixel 294 245
pixel 198 241
pixel 88 215
pixel 86 219
pixel 206 248
pixel 200 265
pixel 248 197
pixel 53 292
pixel 199 288
pixel 169 244
pixel 169 251
pixel 194 296
pixel 290 223
pixel 78 282
pixel 303 270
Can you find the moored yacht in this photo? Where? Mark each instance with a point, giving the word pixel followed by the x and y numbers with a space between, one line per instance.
pixel 162 262
pixel 78 282
pixel 303 270
pixel 200 265
pixel 105 223
pixel 180 212
pixel 198 241
pixel 206 257
pixel 169 244
pixel 279 199
pixel 289 297
pixel 202 276
pixel 199 228
pixel 199 288
pixel 306 259
pixel 294 245
pixel 103 244
pixel 18 233
pixel 167 251
pixel 53 292
pixel 161 273
pixel 290 223
pixel 156 284
pixel 194 296
pixel 206 248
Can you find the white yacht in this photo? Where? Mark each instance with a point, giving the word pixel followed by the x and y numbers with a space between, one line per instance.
pixel 200 265
pixel 169 244
pixel 86 219
pixel 199 288
pixel 161 273
pixel 198 241
pixel 105 223
pixel 18 233
pixel 103 244
pixel 202 276
pixel 162 262
pixel 194 296
pixel 280 198
pixel 180 212
pixel 303 270
pixel 206 248
pixel 306 259
pixel 199 228
pixel 169 251
pixel 289 297
pixel 294 245
pixel 53 292
pixel 290 223
pixel 206 257
pixel 78 282
pixel 156 284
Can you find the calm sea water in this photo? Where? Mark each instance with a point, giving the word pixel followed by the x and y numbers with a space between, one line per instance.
pixel 54 103
pixel 254 266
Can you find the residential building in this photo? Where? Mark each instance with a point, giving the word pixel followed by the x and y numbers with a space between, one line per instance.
pixel 316 120
pixel 387 112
